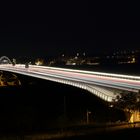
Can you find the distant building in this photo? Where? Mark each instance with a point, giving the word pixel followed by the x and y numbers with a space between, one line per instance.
pixel 39 61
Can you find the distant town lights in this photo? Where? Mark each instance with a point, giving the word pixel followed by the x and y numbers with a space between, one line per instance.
pixel 77 54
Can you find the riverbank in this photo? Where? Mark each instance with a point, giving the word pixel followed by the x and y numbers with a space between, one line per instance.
pixel 83 132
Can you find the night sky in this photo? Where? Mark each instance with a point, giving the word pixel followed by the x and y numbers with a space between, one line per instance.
pixel 58 27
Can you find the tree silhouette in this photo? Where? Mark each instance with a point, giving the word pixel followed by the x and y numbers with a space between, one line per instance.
pixel 128 102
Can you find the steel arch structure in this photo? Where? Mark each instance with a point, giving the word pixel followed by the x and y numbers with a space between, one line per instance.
pixel 5 59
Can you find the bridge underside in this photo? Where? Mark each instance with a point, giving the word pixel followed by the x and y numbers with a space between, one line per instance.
pixel 101 92
pixel 107 94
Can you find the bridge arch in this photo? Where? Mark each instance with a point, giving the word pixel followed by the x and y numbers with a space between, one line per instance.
pixel 5 60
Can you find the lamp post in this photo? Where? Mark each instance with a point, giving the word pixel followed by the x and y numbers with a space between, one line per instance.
pixel 87 116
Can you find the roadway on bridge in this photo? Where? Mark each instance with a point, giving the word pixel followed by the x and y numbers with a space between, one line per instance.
pixel 88 78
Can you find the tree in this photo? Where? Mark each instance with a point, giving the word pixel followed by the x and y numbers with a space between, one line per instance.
pixel 129 102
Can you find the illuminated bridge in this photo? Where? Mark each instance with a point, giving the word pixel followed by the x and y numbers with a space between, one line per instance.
pixel 106 86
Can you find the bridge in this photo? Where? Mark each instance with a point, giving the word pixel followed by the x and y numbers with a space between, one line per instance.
pixel 106 86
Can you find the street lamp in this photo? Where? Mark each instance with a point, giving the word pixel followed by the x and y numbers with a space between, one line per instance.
pixel 87 115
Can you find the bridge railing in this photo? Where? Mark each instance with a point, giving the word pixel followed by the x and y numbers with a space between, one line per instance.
pixel 112 75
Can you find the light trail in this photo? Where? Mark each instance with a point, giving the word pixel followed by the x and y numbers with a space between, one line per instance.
pixel 105 78
pixel 122 82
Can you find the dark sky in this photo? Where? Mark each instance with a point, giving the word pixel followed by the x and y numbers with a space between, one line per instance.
pixel 67 27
